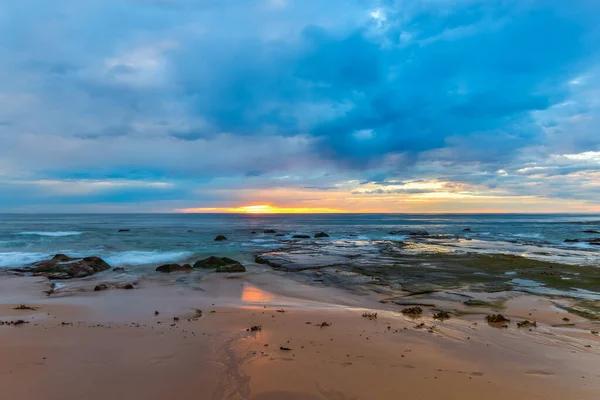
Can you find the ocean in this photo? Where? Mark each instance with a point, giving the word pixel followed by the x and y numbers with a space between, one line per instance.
pixel 152 239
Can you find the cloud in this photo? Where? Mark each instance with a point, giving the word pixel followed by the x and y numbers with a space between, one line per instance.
pixel 288 93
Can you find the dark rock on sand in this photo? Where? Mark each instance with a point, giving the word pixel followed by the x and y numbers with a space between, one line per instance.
pixel 123 230
pixel 220 238
pixel 413 310
pixel 496 318
pixel 301 237
pixel 174 268
pixel 321 235
pixel 65 267
pixel 231 268
pixel 119 269
pixel 270 231
pixel 128 286
pixel 215 262
pixel 100 287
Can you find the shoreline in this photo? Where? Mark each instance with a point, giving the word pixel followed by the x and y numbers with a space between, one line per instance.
pixel 112 345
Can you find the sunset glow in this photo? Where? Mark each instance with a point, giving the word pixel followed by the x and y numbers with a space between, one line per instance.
pixel 263 209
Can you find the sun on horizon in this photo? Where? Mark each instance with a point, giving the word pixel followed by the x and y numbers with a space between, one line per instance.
pixel 263 209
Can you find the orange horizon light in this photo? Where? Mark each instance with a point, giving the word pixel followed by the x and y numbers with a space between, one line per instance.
pixel 263 209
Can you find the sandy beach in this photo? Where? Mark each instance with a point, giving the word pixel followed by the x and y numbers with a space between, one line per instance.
pixel 167 340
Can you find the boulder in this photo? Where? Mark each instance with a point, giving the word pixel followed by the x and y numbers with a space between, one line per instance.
pixel 167 268
pixel 270 231
pixel 321 235
pixel 253 232
pixel 215 262
pixel 220 238
pixel 123 230
pixel 128 286
pixel 100 287
pixel 591 231
pixel 119 269
pixel 301 237
pixel 409 233
pixel 571 240
pixel 467 230
pixel 64 267
pixel 280 234
pixel 231 268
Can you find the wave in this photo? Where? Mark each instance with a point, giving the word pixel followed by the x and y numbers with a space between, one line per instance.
pixel 52 233
pixel 137 257
pixel 528 235
pixel 17 259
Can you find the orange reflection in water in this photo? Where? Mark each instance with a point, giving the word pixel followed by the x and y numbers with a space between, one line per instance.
pixel 254 295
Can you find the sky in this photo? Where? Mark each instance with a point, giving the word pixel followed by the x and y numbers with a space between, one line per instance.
pixel 300 106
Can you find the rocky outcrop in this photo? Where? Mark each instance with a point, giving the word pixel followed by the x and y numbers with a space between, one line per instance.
pixel 214 262
pixel 119 269
pixel 409 233
pixel 467 230
pixel 270 231
pixel 220 238
pixel 591 231
pixel 168 268
pixel 321 235
pixel 62 266
pixel 123 230
pixel 231 268
pixel 301 237
pixel 594 241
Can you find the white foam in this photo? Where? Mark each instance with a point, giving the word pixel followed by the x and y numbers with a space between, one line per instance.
pixel 528 235
pixel 145 257
pixel 17 259
pixel 52 233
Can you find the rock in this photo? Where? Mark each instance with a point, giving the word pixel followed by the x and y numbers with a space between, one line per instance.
pixel 409 233
pixel 128 286
pixel 167 268
pixel 594 241
pixel 280 234
pixel 100 287
pixel 321 235
pixel 496 318
pixel 591 231
pixel 64 267
pixel 220 238
pixel 231 268
pixel 123 230
pixel 253 232
pixel 254 328
pixel 119 269
pixel 442 315
pixel 270 231
pixel 301 237
pixel 467 230
pixel 413 310
pixel 215 262
pixel 527 324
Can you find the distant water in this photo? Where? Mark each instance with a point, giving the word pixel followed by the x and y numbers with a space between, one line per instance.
pixel 153 239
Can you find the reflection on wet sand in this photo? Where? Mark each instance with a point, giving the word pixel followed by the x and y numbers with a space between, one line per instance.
pixel 254 295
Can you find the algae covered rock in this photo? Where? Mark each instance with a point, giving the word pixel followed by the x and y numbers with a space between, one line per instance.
pixel 168 268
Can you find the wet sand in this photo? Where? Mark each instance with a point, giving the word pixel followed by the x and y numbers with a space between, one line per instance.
pixel 80 344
